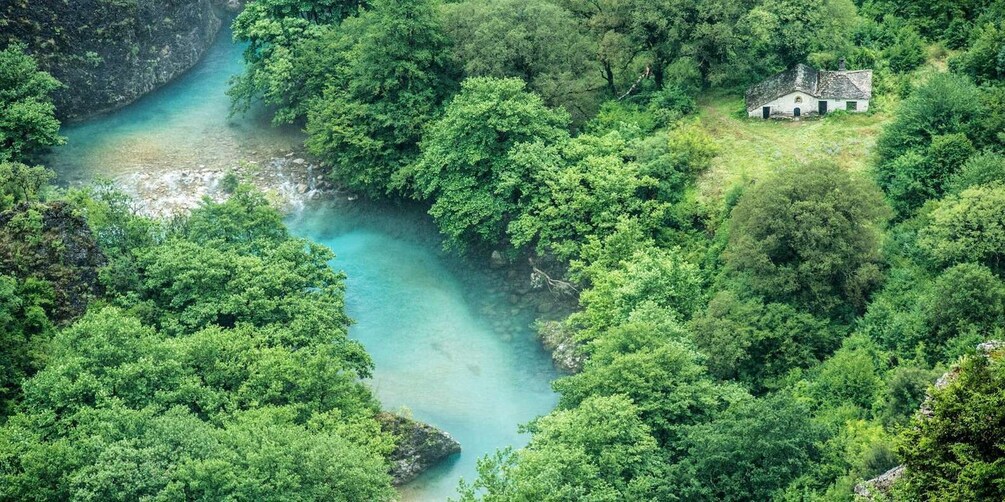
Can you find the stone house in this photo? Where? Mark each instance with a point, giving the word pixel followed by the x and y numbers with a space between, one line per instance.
pixel 803 91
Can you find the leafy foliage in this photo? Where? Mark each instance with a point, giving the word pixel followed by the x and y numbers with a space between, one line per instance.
pixel 367 123
pixel 967 227
pixel 937 119
pixel 471 165
pixel 809 238
pixel 218 367
pixel 28 122
pixel 738 456
pixel 597 451
pixel 538 41
pixel 955 453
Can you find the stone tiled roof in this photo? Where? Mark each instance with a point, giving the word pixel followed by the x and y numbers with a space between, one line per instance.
pixel 845 84
pixel 855 84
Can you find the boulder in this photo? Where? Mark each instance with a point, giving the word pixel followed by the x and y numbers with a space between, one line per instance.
pixel 418 446
pixel 565 351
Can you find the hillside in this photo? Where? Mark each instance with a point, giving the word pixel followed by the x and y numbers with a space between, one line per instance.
pixel 750 149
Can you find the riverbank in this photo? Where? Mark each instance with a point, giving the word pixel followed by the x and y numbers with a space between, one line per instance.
pixel 452 340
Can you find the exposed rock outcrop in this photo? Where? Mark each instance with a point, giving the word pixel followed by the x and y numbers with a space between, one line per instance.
pixel 881 484
pixel 232 6
pixel 419 446
pixel 879 488
pixel 107 53
pixel 52 243
pixel 565 350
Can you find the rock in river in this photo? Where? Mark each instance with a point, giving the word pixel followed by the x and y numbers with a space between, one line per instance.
pixel 419 446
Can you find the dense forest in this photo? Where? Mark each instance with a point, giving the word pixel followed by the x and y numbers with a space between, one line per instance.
pixel 777 339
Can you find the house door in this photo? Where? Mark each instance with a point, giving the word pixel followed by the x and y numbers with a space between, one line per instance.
pixel 823 108
pixel 766 112
pixel 795 112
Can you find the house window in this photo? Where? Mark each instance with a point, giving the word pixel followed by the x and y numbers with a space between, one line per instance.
pixel 799 99
pixel 851 106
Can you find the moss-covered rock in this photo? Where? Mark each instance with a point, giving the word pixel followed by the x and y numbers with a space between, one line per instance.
pixel 566 352
pixel 418 446
pixel 51 243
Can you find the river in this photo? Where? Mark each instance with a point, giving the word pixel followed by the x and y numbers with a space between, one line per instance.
pixel 449 348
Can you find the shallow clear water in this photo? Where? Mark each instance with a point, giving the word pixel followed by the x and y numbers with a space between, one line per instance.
pixel 183 125
pixel 446 343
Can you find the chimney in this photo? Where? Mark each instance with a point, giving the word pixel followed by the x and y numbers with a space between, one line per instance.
pixel 841 64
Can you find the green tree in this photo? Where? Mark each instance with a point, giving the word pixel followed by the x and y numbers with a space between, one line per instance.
pixel 23 314
pixel 945 104
pixel 777 34
pixel 28 121
pixel 648 278
pixel 966 300
pixel 926 176
pixel 907 51
pixel 955 452
pixel 668 30
pixel 808 236
pixel 984 60
pixel 601 180
pixel 983 168
pixel 967 228
pixel 223 371
pixel 599 450
pixel 947 107
pixel 537 41
pixel 754 449
pixel 284 64
pixel 665 379
pixel 367 124
pixel 21 183
pixel 754 342
pixel 467 167
pixel 851 377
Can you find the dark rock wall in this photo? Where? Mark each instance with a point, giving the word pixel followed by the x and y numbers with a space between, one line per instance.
pixel 107 53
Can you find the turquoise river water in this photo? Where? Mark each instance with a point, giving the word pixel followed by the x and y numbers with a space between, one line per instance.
pixel 447 346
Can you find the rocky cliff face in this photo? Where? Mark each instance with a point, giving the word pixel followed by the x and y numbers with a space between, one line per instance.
pixel 107 53
pixel 53 243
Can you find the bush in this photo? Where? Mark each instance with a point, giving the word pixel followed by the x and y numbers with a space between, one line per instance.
pixel 981 169
pixel 808 236
pixel 957 451
pixel 907 51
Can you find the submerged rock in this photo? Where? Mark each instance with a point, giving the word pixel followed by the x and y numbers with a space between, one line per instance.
pixel 230 5
pixel 419 446
pixel 497 260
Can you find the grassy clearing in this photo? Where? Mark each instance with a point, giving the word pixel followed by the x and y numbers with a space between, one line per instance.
pixel 753 148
